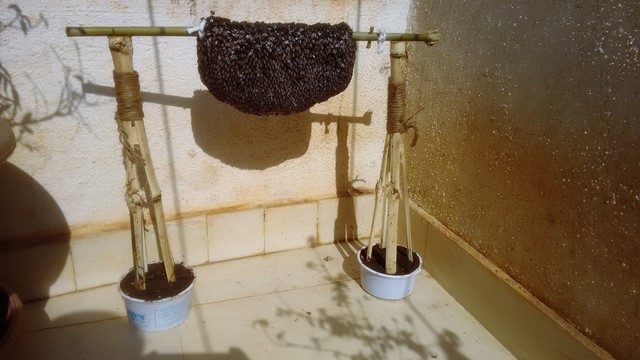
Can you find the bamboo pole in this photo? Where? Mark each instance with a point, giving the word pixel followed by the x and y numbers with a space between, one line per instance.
pixel 138 158
pixel 430 37
pixel 379 196
pixel 134 198
pixel 405 201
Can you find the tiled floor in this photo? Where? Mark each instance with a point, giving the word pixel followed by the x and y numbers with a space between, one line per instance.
pixel 300 304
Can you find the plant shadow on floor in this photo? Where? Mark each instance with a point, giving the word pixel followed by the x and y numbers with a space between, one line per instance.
pixel 353 327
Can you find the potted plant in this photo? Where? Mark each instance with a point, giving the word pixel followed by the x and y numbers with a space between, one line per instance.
pixel 157 295
pixel 388 270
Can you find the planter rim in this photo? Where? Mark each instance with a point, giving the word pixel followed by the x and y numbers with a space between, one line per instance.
pixel 369 270
pixel 135 299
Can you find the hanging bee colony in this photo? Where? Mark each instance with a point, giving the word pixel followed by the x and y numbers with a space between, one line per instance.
pixel 275 68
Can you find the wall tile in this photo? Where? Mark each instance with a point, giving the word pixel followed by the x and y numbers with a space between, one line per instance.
pixel 290 227
pixel 237 234
pixel 101 258
pixel 187 238
pixel 38 272
pixel 345 218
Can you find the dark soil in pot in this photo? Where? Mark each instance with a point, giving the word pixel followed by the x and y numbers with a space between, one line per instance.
pixel 377 261
pixel 156 281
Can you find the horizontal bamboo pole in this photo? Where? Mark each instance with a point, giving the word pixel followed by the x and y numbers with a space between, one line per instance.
pixel 430 37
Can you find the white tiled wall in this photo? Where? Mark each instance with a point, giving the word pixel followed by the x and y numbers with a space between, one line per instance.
pixel 99 259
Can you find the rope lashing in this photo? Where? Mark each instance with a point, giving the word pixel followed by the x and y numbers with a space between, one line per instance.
pixel 128 97
pixel 129 109
pixel 396 104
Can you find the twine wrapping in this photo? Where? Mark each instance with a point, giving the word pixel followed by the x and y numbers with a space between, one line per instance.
pixel 129 109
pixel 396 103
pixel 128 96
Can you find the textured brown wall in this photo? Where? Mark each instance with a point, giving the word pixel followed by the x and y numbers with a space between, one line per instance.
pixel 529 148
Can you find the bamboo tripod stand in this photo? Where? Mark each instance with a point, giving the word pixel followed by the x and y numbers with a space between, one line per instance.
pixel 391 188
pixel 143 188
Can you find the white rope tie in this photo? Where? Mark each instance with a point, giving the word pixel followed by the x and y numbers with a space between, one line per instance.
pixel 382 37
pixel 199 29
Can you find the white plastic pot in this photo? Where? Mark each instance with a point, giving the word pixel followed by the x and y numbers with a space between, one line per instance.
pixel 158 315
pixel 385 286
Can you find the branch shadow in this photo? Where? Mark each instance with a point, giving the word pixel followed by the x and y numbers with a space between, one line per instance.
pixel 344 330
pixel 70 98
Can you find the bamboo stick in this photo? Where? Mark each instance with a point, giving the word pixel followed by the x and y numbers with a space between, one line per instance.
pixel 377 209
pixel 393 207
pixel 139 155
pixel 154 197
pixel 430 37
pixel 404 186
pixel 385 191
pixel 134 202
pixel 121 53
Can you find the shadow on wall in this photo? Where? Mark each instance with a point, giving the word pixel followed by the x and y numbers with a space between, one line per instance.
pixel 243 140
pixel 29 214
pixel 249 141
pixel 24 121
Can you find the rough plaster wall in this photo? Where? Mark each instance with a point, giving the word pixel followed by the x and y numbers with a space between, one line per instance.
pixel 528 148
pixel 206 154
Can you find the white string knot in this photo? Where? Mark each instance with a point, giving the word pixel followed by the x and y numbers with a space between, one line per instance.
pixel 199 28
pixel 382 37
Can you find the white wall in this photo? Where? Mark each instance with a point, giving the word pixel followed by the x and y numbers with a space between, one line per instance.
pixel 68 145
